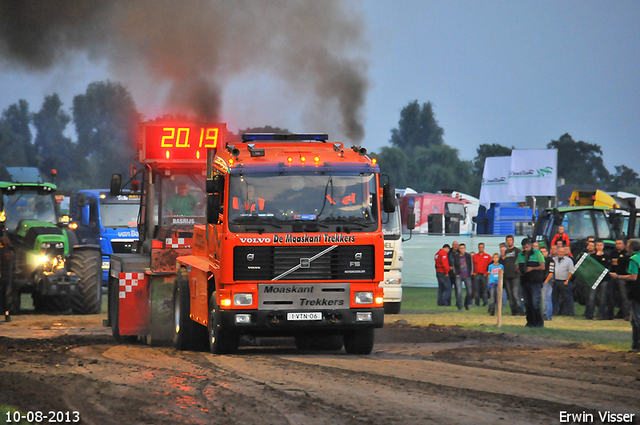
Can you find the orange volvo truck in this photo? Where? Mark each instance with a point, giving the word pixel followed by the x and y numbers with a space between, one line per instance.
pixel 173 200
pixel 293 246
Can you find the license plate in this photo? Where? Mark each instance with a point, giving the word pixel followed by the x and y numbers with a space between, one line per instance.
pixel 304 316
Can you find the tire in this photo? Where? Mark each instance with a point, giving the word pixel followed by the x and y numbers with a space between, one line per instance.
pixel 221 341
pixel 187 334
pixel 87 264
pixel 392 308
pixel 358 342
pixel 51 303
pixel 114 313
pixel 319 343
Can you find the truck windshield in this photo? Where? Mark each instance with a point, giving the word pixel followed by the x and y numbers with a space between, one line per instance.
pixel 28 204
pixel 584 223
pixel 311 199
pixel 183 195
pixel 455 208
pixel 119 215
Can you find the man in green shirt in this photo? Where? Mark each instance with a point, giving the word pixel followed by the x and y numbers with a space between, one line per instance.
pixel 530 266
pixel 633 290
pixel 182 203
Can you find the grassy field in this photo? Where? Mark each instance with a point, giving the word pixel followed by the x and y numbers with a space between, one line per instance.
pixel 419 307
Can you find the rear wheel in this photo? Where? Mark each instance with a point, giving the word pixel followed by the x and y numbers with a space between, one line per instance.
pixel 358 341
pixel 187 334
pixel 221 341
pixel 87 264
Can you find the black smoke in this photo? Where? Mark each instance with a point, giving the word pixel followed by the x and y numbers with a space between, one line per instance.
pixel 315 46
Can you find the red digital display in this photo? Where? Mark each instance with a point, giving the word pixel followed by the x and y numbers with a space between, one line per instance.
pixel 178 142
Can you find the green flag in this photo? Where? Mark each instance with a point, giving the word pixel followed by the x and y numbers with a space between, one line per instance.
pixel 590 271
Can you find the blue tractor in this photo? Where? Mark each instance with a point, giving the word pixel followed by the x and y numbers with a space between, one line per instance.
pixel 108 221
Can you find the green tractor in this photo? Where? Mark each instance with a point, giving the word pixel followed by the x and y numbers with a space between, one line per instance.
pixel 43 257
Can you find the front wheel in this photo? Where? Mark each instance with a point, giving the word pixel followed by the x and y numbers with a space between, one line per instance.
pixel 358 341
pixel 221 341
pixel 87 264
pixel 187 334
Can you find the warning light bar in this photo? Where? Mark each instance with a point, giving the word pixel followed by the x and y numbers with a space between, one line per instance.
pixel 178 142
pixel 266 137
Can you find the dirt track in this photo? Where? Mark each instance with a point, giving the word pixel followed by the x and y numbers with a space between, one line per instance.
pixel 415 376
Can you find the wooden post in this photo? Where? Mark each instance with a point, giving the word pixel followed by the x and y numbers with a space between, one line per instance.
pixel 500 297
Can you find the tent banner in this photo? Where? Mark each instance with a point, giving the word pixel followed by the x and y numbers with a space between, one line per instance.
pixel 495 177
pixel 533 172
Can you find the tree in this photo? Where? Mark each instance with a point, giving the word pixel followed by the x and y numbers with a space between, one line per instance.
pixel 417 127
pixel 396 164
pixel 54 148
pixel 625 179
pixel 580 162
pixel 106 123
pixel 440 168
pixel 15 136
pixel 488 151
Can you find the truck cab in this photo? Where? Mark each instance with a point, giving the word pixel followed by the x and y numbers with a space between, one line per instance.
pixel 108 221
pixel 293 246
pixel 393 259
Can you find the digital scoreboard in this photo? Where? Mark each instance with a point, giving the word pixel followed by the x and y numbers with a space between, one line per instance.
pixel 175 142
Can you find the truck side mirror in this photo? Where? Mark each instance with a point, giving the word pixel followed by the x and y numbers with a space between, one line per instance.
pixel 86 211
pixel 116 185
pixel 389 200
pixel 411 221
pixel 215 185
pixel 213 208
pixel 81 199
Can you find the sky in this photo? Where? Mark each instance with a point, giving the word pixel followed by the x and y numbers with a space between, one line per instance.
pixel 517 73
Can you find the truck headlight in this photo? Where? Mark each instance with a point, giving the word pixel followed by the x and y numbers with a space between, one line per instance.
pixel 363 297
pixel 45 245
pixel 43 259
pixel 392 281
pixel 242 299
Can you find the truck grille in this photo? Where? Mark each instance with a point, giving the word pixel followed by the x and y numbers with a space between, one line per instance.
pixel 120 247
pixel 267 263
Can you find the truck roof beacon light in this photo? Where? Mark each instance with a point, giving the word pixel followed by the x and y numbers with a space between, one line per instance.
pixel 279 137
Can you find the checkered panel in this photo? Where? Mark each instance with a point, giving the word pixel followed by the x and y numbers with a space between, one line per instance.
pixel 128 281
pixel 178 242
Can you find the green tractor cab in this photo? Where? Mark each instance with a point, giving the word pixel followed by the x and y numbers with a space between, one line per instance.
pixel 43 257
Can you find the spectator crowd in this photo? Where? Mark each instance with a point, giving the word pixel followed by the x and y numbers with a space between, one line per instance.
pixel 539 281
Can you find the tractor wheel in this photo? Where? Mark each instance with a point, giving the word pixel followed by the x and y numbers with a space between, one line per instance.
pixel 187 334
pixel 359 341
pixel 221 341
pixel 87 264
